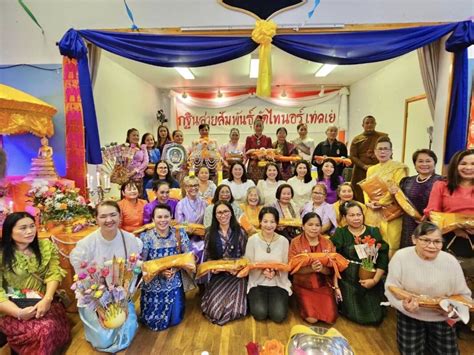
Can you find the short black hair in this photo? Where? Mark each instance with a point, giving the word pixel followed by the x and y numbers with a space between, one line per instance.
pixel 280 189
pixel 271 210
pixel 162 206
pixel 424 228
pixel 424 151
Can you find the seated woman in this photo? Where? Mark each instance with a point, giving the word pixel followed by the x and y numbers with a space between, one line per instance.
pixel 223 193
pixel 191 210
pixel 286 209
pixel 131 206
pixel 99 247
pixel 162 300
pixel 330 178
pixel 268 186
pixel 43 328
pixel 302 183
pixel 224 296
pixel 238 181
pixel 311 284
pixel 268 290
pixel 360 298
pixel 162 173
pixel 207 188
pixel 425 270
pixel 250 210
pixel 162 192
pixel 345 194
pixel 322 208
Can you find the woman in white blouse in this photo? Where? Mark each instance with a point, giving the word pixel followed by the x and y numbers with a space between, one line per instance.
pixel 302 183
pixel 238 182
pixel 268 186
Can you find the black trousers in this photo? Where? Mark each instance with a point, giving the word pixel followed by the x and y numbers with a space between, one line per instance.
pixel 268 302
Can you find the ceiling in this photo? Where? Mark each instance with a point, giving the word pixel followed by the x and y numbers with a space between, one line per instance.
pixel 288 70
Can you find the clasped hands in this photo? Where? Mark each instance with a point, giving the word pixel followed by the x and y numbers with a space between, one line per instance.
pixel 37 311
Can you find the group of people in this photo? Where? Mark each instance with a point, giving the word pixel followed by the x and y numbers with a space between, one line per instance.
pixel 247 215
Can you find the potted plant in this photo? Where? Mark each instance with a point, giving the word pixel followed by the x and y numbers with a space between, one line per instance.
pixel 369 249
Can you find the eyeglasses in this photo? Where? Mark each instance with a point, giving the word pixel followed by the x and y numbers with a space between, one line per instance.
pixel 425 242
pixel 194 185
pixel 222 213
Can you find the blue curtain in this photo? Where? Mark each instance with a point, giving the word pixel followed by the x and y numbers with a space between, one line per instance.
pixel 338 48
pixel 462 37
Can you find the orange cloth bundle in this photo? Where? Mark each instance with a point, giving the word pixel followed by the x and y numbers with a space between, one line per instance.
pixel 290 222
pixel 152 268
pixel 377 190
pixel 277 266
pixel 346 161
pixel 263 153
pixel 333 260
pixel 407 206
pixel 289 159
pixel 448 222
pixel 190 228
pixel 427 301
pixel 221 265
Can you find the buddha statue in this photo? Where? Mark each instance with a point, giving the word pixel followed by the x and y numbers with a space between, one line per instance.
pixel 42 167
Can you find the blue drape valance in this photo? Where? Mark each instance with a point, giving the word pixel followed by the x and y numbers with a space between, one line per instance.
pixel 338 48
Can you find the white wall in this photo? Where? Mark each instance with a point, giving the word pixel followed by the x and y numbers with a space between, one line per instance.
pixel 22 42
pixel 383 95
pixel 123 100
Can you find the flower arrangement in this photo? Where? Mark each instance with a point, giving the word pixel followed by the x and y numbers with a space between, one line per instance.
pixel 107 289
pixel 369 250
pixel 58 202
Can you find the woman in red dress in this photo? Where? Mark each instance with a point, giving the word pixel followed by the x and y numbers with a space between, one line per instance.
pixel 311 284
pixel 254 143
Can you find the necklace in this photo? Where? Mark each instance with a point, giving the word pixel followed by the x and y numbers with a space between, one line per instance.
pixel 269 249
pixel 421 181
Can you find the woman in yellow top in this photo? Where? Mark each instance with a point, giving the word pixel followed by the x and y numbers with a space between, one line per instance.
pixel 345 194
pixel 42 328
pixel 390 172
pixel 251 208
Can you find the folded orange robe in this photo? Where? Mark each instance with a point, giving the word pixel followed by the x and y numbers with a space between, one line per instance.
pixel 153 268
pixel 333 260
pixel 346 161
pixel 429 302
pixel 273 265
pixel 221 265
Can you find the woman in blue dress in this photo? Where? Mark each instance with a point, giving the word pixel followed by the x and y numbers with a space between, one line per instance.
pixel 162 300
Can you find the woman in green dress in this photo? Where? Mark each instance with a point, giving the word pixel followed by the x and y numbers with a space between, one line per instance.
pixel 360 298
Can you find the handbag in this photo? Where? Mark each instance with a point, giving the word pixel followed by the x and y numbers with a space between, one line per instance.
pixel 25 302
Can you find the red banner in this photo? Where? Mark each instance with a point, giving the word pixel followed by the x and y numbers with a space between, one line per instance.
pixel 76 168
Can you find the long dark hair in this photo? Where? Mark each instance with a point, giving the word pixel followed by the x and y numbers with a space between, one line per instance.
pixel 231 174
pixel 286 148
pixel 145 136
pixel 159 142
pixel 8 244
pixel 168 176
pixel 334 179
pixel 128 134
pixel 213 232
pixel 307 177
pixel 453 174
pixel 278 177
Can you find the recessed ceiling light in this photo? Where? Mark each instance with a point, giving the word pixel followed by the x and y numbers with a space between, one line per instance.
pixel 185 73
pixel 254 63
pixel 325 70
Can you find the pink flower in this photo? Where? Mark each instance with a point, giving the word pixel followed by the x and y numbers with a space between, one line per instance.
pixel 91 270
pixel 105 272
pixel 82 275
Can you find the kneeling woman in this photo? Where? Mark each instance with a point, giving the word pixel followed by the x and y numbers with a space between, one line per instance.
pixel 360 298
pixel 224 296
pixel 162 299
pixel 97 248
pixel 43 328
pixel 426 270
pixel 268 289
pixel 311 284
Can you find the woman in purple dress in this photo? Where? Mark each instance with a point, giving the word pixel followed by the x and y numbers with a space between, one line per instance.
pixel 417 188
pixel 225 296
pixel 330 178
